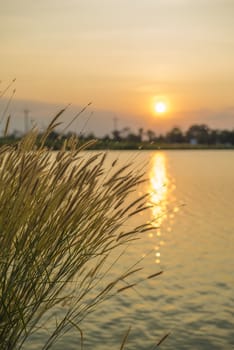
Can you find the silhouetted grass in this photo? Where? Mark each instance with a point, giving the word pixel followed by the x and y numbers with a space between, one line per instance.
pixel 61 216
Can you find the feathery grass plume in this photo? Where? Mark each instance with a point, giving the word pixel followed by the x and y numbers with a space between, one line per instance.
pixel 2 93
pixel 7 126
pixel 125 338
pixel 61 216
pixel 7 106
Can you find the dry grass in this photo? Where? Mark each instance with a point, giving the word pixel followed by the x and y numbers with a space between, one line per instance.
pixel 61 216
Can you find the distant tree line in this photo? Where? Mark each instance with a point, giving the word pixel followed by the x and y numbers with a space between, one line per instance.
pixel 197 134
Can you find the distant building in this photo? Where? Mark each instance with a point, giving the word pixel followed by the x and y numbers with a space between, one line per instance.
pixel 193 141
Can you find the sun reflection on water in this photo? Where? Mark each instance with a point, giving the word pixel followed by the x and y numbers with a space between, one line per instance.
pixel 160 187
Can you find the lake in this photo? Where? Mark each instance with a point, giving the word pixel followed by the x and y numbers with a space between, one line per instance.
pixel 192 197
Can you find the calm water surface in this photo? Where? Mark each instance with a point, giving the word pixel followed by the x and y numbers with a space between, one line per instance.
pixel 192 193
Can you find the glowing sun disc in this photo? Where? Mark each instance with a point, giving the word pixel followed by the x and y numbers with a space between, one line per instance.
pixel 160 107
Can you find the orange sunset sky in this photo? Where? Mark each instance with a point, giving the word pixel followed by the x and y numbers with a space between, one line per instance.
pixel 123 55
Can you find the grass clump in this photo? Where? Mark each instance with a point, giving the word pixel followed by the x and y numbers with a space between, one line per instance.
pixel 61 216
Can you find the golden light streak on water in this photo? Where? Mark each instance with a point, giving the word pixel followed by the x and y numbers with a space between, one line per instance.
pixel 158 190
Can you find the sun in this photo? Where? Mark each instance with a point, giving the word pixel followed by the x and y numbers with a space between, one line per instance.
pixel 160 107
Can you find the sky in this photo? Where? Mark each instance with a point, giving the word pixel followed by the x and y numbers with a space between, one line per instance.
pixel 121 55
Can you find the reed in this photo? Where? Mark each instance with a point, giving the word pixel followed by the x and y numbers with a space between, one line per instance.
pixel 61 217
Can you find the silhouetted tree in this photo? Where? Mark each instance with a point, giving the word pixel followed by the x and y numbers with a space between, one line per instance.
pixel 90 136
pixel 199 133
pixel 226 137
pixel 106 138
pixel 116 135
pixel 140 134
pixel 133 138
pixel 124 133
pixel 160 138
pixel 151 135
pixel 214 137
pixel 175 136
